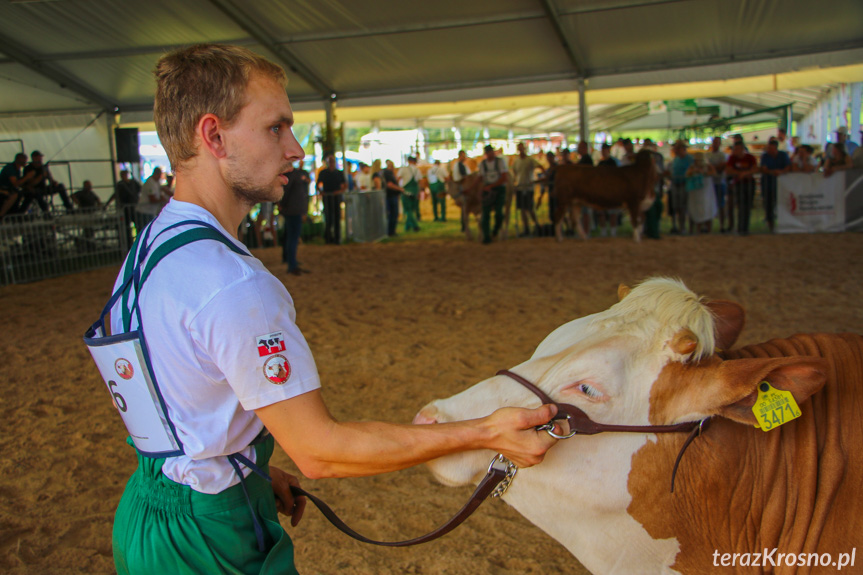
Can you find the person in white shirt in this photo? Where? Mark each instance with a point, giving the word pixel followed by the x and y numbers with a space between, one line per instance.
pixel 226 351
pixel 523 169
pixel 364 178
pixel 151 191
pixel 437 177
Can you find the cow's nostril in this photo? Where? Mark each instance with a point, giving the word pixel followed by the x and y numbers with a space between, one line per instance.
pixel 425 416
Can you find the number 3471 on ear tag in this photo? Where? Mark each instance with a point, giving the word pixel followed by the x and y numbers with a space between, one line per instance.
pixel 774 407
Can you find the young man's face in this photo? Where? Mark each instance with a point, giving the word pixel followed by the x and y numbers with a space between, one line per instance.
pixel 259 144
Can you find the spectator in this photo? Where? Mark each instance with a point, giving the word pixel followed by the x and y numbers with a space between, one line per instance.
pixel 717 158
pixel 294 205
pixel 549 183
pixel 86 198
pixel 151 191
pixel 42 185
pixel 782 142
pixel 628 156
pixel 774 163
pixel 409 181
pixel 523 169
pixel 332 184
pixel 376 178
pixel 494 176
pixel 364 178
pixel 839 159
pixel 742 166
pixel 804 160
pixel 11 180
pixel 679 196
pixel 584 156
pixel 437 176
pixel 564 156
pixel 653 216
pixel 701 199
pixel 394 191
pixel 607 218
pixel 126 192
pixel 168 188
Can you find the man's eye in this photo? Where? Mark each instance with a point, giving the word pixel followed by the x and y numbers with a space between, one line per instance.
pixel 275 129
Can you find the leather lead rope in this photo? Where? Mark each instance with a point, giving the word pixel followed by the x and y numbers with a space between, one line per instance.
pixel 494 476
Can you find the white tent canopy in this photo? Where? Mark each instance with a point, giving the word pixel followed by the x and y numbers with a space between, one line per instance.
pixel 517 63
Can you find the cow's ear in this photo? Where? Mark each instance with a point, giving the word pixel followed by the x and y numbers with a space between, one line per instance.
pixel 729 319
pixel 622 291
pixel 739 378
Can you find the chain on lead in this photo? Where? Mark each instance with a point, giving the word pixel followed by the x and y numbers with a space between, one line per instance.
pixel 510 469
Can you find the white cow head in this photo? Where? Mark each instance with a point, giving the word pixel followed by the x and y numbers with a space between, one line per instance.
pixel 605 364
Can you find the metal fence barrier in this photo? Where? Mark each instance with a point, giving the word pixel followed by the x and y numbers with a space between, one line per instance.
pixel 39 246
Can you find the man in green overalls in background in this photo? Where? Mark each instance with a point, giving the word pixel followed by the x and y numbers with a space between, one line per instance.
pixel 409 178
pixel 494 173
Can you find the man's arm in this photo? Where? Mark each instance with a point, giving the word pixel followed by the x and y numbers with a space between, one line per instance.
pixel 324 447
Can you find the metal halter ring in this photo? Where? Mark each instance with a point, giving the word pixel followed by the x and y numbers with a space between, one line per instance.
pixel 549 429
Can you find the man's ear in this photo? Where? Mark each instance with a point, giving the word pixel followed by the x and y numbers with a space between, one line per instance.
pixel 210 131
pixel 729 319
pixel 684 392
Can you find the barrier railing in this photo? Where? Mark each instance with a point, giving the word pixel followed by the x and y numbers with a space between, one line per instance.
pixel 39 246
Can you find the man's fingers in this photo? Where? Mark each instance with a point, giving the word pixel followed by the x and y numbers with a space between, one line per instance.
pixel 541 415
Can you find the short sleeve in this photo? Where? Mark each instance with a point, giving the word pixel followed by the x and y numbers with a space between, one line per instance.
pixel 248 333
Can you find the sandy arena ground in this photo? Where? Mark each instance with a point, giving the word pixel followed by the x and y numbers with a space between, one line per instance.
pixel 392 326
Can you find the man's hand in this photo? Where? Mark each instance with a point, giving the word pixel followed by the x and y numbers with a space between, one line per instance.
pixel 286 503
pixel 515 436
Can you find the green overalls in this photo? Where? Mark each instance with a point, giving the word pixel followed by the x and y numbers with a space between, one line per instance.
pixel 410 203
pixel 162 527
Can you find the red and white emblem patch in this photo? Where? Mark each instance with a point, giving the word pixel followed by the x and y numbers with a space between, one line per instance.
pixel 124 369
pixel 277 369
pixel 270 344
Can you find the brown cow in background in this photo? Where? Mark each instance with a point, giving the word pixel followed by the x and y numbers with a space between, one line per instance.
pixel 604 188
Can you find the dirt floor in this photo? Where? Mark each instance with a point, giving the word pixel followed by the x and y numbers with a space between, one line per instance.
pixel 392 326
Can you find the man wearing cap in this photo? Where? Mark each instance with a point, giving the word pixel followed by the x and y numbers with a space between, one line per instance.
pixel 409 180
pixel 494 176
pixel 841 138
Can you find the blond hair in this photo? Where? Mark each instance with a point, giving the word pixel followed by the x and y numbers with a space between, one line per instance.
pixel 202 79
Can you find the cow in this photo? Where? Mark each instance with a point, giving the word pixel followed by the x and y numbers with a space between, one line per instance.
pixel 664 356
pixel 605 187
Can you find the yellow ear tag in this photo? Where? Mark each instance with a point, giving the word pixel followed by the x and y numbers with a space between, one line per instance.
pixel 774 407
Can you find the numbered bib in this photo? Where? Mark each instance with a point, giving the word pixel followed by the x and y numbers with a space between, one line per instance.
pixel 124 364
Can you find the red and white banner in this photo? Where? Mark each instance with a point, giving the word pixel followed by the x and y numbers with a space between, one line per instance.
pixel 811 203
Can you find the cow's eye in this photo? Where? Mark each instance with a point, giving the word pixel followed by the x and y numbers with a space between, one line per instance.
pixel 589 391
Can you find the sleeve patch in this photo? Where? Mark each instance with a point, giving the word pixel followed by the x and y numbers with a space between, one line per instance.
pixel 270 343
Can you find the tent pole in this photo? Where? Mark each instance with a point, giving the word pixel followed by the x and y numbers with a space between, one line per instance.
pixel 582 112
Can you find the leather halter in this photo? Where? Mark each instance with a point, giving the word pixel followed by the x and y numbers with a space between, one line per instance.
pixel 581 424
pixel 501 470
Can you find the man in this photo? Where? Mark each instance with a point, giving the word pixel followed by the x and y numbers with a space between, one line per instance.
pixel 204 309
pixel 364 178
pixel 774 163
pixel 523 170
pixel 295 207
pixel 11 181
pixel 628 156
pixel 151 191
pixel 841 138
pixel 494 176
pixel 331 184
pixel 459 172
pixel 409 181
pixel 584 156
pixel 679 196
pixel 42 185
pixel 783 144
pixel 653 216
pixel 86 198
pixel 717 158
pixel 607 220
pixel 742 166
pixel 437 177
pixel 127 191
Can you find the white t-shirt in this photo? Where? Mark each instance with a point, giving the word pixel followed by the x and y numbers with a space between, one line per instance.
pixel 437 174
pixel 406 173
pixel 223 341
pixel 152 188
pixel 364 182
pixel 456 171
pixel 491 171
